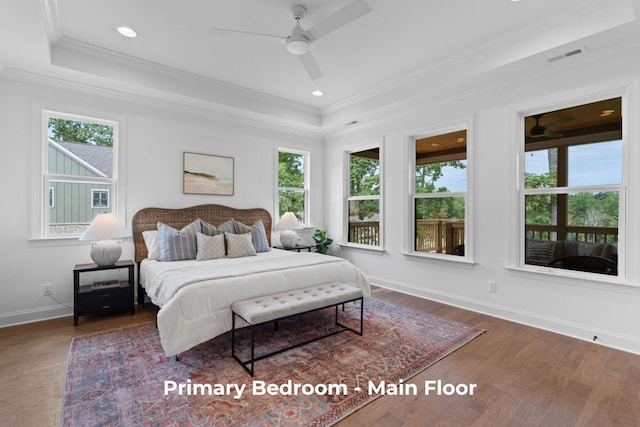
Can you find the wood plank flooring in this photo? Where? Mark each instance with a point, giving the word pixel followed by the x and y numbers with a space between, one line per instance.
pixel 524 376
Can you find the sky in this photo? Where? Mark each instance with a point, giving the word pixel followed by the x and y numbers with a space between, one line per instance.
pixel 589 164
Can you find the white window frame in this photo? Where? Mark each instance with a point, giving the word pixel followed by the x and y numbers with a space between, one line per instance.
pixel 625 208
pixel 306 188
pixel 379 144
pixel 414 196
pixel 42 177
pixel 100 190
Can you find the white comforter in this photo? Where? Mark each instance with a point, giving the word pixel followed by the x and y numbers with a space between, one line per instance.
pixel 196 296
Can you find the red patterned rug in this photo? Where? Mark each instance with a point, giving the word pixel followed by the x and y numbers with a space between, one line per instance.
pixel 122 378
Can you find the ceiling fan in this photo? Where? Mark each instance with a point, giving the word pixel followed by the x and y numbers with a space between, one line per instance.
pixel 299 41
pixel 538 130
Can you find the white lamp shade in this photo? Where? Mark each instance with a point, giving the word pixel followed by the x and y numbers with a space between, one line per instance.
pixel 104 226
pixel 288 222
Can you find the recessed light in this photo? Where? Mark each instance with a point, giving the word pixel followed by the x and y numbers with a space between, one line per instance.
pixel 435 144
pixel 127 32
pixel 460 139
pixel 607 113
pixel 317 92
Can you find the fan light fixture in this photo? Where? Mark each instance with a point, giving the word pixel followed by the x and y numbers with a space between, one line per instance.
pixel 297 43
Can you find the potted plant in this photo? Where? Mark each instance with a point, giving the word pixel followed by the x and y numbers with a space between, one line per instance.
pixel 322 241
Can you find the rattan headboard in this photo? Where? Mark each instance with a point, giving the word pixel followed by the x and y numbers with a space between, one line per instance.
pixel 147 219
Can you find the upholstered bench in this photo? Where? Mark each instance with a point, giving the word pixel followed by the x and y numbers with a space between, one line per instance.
pixel 274 307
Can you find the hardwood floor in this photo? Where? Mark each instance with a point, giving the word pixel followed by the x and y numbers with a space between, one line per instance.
pixel 524 376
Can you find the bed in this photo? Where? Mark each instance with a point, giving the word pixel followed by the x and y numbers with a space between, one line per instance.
pixel 195 295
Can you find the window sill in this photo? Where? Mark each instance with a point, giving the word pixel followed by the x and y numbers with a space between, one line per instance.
pixel 365 247
pixel 43 242
pixel 440 258
pixel 594 280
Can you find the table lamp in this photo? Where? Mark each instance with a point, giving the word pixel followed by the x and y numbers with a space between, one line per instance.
pixel 104 228
pixel 287 223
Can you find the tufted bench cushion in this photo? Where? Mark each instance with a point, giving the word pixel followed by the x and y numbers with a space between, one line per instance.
pixel 277 306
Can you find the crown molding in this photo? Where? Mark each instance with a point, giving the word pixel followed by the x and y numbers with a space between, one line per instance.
pixel 161 100
pixel 87 58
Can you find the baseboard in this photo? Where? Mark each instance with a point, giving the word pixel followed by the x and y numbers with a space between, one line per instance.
pixel 573 330
pixel 34 315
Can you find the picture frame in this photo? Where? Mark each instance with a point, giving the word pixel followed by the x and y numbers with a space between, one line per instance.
pixel 207 174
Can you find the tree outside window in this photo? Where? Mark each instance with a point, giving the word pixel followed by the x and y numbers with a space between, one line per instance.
pixel 363 201
pixel 292 183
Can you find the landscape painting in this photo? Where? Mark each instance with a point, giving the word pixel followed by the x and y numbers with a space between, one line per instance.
pixel 207 174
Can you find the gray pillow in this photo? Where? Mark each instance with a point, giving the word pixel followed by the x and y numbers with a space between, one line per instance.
pixel 540 252
pixel 213 230
pixel 258 234
pixel 178 245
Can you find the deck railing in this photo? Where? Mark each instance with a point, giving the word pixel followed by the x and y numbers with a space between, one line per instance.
pixel 447 236
pixel 578 233
pixel 442 236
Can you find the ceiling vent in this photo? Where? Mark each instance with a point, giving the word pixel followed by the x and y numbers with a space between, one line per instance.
pixel 566 55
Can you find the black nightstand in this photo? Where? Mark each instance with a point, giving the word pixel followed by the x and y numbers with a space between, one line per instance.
pixel 106 297
pixel 298 248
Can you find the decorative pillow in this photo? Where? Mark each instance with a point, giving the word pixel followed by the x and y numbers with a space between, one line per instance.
pixel 590 249
pixel 209 247
pixel 540 252
pixel 258 234
pixel 152 242
pixel 178 245
pixel 212 230
pixel 239 245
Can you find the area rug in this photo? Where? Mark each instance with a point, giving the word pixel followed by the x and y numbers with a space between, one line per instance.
pixel 122 378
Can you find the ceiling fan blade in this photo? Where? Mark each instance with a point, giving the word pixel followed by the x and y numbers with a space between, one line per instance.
pixel 312 67
pixel 550 134
pixel 558 123
pixel 340 18
pixel 271 37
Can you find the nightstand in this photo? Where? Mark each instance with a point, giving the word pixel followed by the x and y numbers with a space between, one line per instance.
pixel 104 297
pixel 298 248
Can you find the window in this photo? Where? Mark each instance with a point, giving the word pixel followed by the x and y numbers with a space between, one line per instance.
pixel 364 198
pixel 439 196
pixel 100 199
pixel 293 187
pixel 573 187
pixel 79 171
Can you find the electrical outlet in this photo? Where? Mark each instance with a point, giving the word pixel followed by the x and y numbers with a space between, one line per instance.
pixel 493 286
pixel 47 289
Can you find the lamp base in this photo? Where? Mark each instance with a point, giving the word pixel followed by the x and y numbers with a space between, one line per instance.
pixel 105 252
pixel 289 239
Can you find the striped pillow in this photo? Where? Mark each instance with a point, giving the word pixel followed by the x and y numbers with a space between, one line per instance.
pixel 258 234
pixel 178 245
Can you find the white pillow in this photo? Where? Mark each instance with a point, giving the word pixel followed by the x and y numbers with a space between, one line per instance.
pixel 152 242
pixel 239 245
pixel 209 247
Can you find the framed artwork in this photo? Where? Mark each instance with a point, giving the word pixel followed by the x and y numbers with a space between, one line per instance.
pixel 207 174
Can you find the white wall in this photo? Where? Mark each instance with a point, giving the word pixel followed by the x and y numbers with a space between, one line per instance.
pixel 573 307
pixel 154 137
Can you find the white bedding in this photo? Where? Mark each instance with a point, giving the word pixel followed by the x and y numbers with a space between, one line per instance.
pixel 195 296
